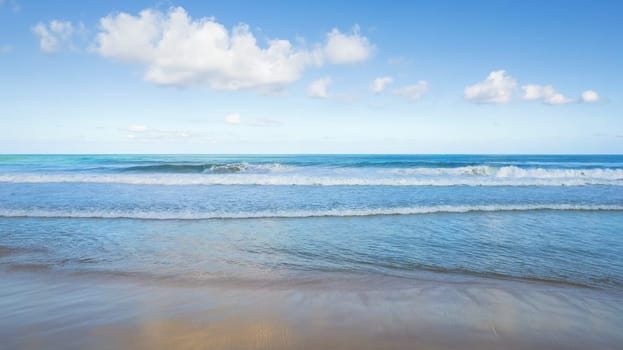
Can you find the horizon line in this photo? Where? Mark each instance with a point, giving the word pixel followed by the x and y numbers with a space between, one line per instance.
pixel 312 154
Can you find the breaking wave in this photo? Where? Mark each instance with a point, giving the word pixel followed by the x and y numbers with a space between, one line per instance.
pixel 216 168
pixel 189 215
pixel 515 172
pixel 508 176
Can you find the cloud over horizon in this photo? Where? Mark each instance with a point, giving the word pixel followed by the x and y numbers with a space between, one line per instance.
pixel 590 96
pixel 497 88
pixel 378 85
pixel 56 35
pixel 547 94
pixel 174 49
pixel 347 48
pixel 413 92
pixel 500 88
pixel 319 88
pixel 177 50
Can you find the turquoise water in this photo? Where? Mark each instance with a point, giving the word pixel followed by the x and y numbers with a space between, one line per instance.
pixel 196 218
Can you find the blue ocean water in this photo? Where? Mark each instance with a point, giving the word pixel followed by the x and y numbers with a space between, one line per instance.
pixel 552 218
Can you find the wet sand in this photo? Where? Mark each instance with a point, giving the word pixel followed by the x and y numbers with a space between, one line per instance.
pixel 44 310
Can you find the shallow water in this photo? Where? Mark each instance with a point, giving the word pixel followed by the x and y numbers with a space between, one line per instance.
pixel 295 218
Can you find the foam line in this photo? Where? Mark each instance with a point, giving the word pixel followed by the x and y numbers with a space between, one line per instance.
pixel 188 215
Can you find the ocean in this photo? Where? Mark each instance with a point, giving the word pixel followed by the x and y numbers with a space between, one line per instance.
pixel 554 219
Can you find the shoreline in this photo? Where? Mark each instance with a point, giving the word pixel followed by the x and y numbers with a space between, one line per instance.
pixel 53 311
pixel 351 280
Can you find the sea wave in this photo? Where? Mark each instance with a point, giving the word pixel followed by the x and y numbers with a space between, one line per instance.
pixel 215 168
pixel 190 215
pixel 507 177
pixel 514 172
pixel 485 170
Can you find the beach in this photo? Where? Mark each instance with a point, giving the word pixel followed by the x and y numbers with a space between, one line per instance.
pixel 41 310
pixel 291 252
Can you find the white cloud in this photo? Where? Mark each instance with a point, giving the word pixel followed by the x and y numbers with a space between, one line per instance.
pixel 590 96
pixel 347 48
pixel 177 50
pixel 546 93
pixel 5 49
pixel 532 92
pixel 501 88
pixel 56 35
pixel 413 92
pixel 233 118
pixel 128 38
pixel 379 84
pixel 318 88
pixel 495 89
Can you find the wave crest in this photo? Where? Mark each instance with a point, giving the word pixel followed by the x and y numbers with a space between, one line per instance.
pixel 216 168
pixel 188 215
pixel 303 180
pixel 279 174
pixel 515 172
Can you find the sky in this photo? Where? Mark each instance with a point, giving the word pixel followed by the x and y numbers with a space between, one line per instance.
pixel 311 76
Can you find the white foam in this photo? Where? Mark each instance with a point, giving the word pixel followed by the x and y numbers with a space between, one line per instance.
pixel 506 176
pixel 515 172
pixel 475 170
pixel 246 167
pixel 188 215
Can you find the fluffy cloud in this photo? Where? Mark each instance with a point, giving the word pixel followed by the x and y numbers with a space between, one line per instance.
pixel 233 118
pixel 56 35
pixel 177 50
pixel 590 96
pixel 497 88
pixel 347 48
pixel 379 84
pixel 546 93
pixel 501 88
pixel 413 92
pixel 319 88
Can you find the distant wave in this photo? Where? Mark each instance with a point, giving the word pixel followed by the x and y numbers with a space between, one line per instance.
pixel 216 168
pixel 509 171
pixel 189 215
pixel 463 176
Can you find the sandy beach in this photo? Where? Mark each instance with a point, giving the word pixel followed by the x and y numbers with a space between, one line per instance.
pixel 68 311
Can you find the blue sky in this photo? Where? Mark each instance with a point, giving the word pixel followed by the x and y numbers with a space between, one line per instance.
pixel 320 77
